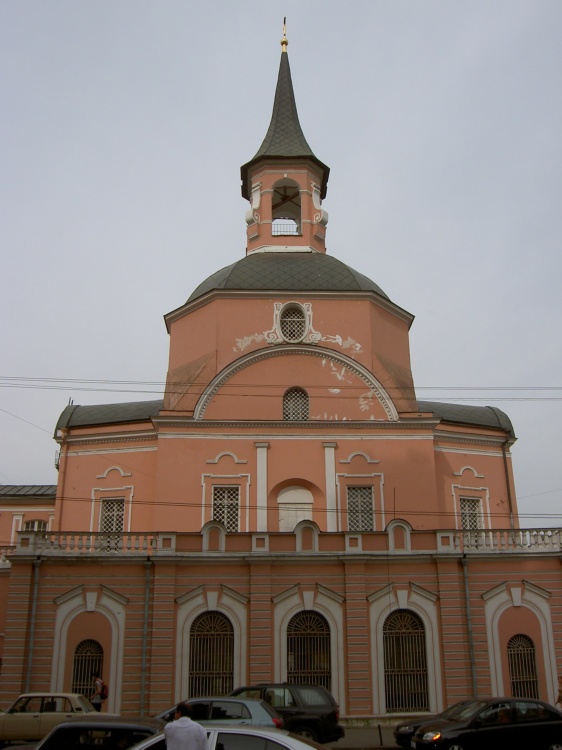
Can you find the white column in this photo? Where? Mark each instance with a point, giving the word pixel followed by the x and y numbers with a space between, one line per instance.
pixel 330 466
pixel 261 485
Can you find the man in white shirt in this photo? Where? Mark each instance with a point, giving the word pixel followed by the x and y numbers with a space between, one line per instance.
pixel 183 733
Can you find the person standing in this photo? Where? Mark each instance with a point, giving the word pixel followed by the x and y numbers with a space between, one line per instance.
pixel 183 733
pixel 96 698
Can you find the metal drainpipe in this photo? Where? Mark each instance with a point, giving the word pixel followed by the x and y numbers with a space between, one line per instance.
pixel 464 562
pixel 36 565
pixel 147 567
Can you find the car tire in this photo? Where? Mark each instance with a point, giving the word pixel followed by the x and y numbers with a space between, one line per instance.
pixel 307 732
pixel 455 746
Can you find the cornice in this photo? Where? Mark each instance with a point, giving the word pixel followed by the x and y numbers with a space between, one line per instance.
pixel 104 439
pixel 286 425
pixel 367 295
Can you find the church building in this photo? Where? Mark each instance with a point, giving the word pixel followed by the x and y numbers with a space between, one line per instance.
pixel 289 511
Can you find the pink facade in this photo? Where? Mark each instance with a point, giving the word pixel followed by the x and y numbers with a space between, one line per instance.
pixel 288 476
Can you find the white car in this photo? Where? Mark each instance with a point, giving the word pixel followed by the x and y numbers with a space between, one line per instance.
pixel 241 738
pixel 33 715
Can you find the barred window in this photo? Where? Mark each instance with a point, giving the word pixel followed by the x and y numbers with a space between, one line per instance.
pixel 308 650
pixel 471 515
pixel 88 658
pixel 112 515
pixel 405 663
pixel 35 526
pixel 293 323
pixel 211 655
pixel 226 506
pixel 295 405
pixel 360 508
pixel 522 667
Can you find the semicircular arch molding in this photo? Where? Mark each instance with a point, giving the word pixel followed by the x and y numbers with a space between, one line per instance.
pixel 73 604
pixel 371 382
pixel 229 603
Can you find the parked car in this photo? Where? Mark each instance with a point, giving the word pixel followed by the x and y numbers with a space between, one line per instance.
pixel 514 723
pixel 308 710
pixel 96 730
pixel 404 731
pixel 241 738
pixel 232 710
pixel 33 715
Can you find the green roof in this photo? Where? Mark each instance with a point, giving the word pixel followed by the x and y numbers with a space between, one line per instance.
pixel 284 138
pixel 288 272
pixel 478 416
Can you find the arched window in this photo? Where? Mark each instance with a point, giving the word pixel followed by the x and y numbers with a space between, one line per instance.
pixel 292 323
pixel 405 662
pixel 35 526
pixel 295 405
pixel 308 650
pixel 88 658
pixel 522 667
pixel 211 655
pixel 286 208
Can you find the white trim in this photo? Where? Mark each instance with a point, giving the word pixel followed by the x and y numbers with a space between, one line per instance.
pixel 112 606
pixel 497 601
pixel 261 486
pixel 422 603
pixel 328 604
pixel 229 603
pixel 330 475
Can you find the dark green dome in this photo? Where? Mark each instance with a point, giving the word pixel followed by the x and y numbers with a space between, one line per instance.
pixel 290 272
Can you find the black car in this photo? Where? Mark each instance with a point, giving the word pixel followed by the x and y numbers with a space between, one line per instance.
pixel 308 710
pixel 404 731
pixel 489 724
pixel 92 732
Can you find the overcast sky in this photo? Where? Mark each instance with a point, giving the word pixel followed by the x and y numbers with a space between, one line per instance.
pixel 124 125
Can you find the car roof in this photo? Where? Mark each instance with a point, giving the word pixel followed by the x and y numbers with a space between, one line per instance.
pixel 229 698
pixel 50 694
pixel 118 722
pixel 241 728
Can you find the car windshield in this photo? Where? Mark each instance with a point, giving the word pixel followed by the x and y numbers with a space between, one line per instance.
pixel 468 710
pixel 453 711
pixel 85 704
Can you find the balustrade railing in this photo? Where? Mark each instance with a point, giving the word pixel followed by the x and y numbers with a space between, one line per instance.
pixel 86 542
pixel 473 541
pixel 510 540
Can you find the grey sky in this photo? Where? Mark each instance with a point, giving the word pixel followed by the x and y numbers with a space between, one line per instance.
pixel 124 126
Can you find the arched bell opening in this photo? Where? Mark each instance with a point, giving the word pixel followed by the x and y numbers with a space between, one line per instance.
pixel 286 210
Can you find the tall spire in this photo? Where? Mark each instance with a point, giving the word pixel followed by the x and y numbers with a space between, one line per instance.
pixel 284 138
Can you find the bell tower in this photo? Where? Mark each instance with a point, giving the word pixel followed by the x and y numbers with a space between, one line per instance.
pixel 285 182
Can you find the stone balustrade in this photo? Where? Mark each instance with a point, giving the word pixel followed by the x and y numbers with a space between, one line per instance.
pixel 441 541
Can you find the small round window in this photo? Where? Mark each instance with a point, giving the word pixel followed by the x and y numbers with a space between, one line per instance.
pixel 293 323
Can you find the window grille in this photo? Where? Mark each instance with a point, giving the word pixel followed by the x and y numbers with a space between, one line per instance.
pixel 471 517
pixel 292 323
pixel 35 526
pixel 112 519
pixel 88 658
pixel 295 405
pixel 405 663
pixel 522 667
pixel 360 508
pixel 308 650
pixel 211 655
pixel 112 515
pixel 226 505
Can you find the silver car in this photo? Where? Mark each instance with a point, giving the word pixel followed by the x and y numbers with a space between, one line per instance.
pixel 231 710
